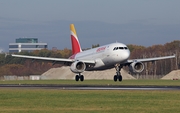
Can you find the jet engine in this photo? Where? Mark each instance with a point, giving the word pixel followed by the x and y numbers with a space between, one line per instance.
pixel 78 67
pixel 136 67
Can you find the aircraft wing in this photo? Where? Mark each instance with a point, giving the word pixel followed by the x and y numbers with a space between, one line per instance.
pixel 150 59
pixel 61 60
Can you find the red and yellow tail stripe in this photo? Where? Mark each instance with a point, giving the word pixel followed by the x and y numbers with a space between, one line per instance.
pixel 76 48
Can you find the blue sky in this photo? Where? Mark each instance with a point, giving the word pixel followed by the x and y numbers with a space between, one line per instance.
pixel 141 22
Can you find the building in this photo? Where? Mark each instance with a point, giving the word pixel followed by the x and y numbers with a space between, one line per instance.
pixel 26 44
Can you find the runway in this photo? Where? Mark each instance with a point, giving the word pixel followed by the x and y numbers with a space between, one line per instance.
pixel 86 87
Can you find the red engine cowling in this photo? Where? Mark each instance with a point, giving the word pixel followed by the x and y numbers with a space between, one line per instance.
pixel 136 67
pixel 78 67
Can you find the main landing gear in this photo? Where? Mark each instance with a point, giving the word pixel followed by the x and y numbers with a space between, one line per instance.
pixel 118 75
pixel 81 77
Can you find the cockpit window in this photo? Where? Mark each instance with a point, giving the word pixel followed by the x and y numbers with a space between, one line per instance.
pixel 120 47
pixel 116 48
pixel 125 48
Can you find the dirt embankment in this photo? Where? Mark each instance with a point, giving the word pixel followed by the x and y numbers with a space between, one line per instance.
pixel 65 73
pixel 173 75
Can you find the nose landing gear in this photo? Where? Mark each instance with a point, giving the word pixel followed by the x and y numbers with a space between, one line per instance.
pixel 118 75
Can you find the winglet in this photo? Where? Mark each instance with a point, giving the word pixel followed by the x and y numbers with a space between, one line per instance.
pixel 76 48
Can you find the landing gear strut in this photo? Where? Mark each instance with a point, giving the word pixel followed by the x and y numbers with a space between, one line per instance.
pixel 118 73
pixel 81 77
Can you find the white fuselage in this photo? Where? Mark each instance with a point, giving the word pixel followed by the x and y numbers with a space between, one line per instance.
pixel 105 56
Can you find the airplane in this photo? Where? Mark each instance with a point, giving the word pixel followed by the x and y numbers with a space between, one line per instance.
pixel 113 55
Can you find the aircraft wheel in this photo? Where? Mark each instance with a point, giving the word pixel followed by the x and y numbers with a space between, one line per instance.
pixel 120 78
pixel 77 77
pixel 115 78
pixel 82 78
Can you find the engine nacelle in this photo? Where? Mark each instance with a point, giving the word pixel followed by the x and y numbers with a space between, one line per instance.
pixel 136 67
pixel 78 67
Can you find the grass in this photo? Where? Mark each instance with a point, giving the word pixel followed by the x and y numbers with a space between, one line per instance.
pixel 99 82
pixel 93 101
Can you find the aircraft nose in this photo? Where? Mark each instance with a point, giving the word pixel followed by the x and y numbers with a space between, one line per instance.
pixel 126 54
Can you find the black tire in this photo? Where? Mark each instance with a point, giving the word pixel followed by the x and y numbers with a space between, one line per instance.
pixel 115 78
pixel 77 77
pixel 120 78
pixel 82 78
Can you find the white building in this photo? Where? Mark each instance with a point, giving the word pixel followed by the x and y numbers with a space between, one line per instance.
pixel 26 44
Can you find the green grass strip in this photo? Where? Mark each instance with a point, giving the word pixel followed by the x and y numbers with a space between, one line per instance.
pixel 103 101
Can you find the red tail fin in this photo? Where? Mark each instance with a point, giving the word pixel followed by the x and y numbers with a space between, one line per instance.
pixel 76 48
